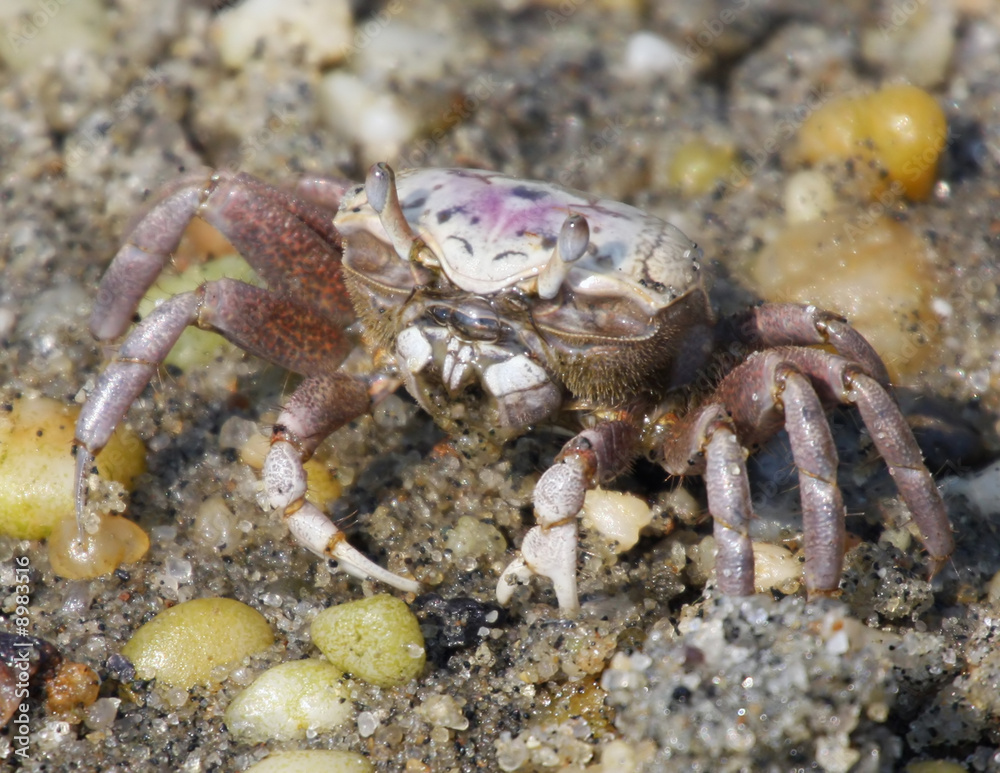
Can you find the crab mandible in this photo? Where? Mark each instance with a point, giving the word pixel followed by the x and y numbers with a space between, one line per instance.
pixel 500 304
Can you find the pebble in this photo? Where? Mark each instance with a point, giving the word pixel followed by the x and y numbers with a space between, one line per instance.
pixel 35 31
pixel 289 701
pixel 889 141
pixel 377 639
pixel 842 263
pixel 313 761
pixel 322 29
pixel 372 117
pixel 114 541
pixel 648 54
pixel 185 645
pixel 618 516
pixel 37 467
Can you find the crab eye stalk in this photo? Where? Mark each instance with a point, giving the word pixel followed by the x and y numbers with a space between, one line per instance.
pixel 380 187
pixel 574 236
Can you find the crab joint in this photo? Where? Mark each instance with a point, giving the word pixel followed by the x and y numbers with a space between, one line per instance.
pixel 574 236
pixel 380 187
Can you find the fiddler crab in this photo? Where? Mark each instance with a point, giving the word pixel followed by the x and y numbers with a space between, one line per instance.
pixel 502 304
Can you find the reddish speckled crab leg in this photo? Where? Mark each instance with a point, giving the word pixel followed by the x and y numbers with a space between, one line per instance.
pixel 595 455
pixel 293 245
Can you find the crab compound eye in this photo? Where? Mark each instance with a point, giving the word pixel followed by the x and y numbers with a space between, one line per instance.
pixel 474 327
pixel 440 314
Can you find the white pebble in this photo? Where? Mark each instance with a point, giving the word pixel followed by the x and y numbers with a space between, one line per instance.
pixel 321 28
pixel 649 54
pixel 373 118
pixel 617 516
pixel 313 761
pixel 808 196
pixel 367 724
pixel 290 700
pixel 775 567
pixel 215 525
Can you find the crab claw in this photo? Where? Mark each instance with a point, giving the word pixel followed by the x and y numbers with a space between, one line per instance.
pixel 547 552
pixel 285 483
pixel 549 549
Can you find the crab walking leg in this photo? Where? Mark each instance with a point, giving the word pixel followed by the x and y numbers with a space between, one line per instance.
pixel 124 379
pixel 729 503
pixel 248 316
pixel 892 437
pixel 750 402
pixel 707 444
pixel 815 457
pixel 896 444
pixel 595 455
pixel 790 324
pixel 320 405
pixel 290 242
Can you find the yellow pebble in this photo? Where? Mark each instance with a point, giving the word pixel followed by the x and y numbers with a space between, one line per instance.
pixel 196 348
pixel 37 467
pixel 185 644
pixel 290 700
pixel 377 639
pixel 873 270
pixel 698 165
pixel 116 541
pixel 896 134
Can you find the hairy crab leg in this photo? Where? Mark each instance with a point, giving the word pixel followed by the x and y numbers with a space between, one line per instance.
pixel 893 439
pixel 749 403
pixel 781 386
pixel 232 308
pixel 597 454
pixel 320 405
pixel 291 243
pixel 791 324
pixel 705 442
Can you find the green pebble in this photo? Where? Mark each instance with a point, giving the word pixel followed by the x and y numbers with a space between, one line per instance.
pixel 287 701
pixel 181 646
pixel 313 762
pixel 196 348
pixel 376 639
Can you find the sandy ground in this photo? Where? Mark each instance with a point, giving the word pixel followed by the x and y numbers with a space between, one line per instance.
pixel 103 103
